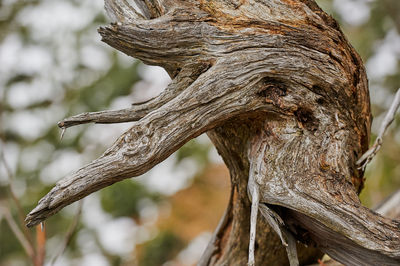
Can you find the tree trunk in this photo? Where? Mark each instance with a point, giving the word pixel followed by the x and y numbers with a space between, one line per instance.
pixel 230 243
pixel 284 98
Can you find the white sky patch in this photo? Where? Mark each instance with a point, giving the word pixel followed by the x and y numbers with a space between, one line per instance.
pixel 377 122
pixel 18 95
pixel 9 51
pixel 53 245
pixel 55 17
pixel 380 96
pixel 19 186
pixel 155 80
pixel 386 99
pixel 31 156
pixel 32 124
pixel 21 94
pixel 93 259
pixel 154 74
pixel 26 124
pixel 192 253
pixel 95 57
pixel 87 241
pixel 117 236
pixel 66 58
pixel 11 153
pixel 92 213
pixel 169 177
pixel 33 59
pixel 353 12
pixel 8 2
pixel 214 156
pixel 98 135
pixel 91 36
pixel 62 164
pixel 125 60
pixel 385 59
pixel 148 211
pixel 121 103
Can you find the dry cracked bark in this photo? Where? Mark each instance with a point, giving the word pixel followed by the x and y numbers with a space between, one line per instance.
pixel 276 86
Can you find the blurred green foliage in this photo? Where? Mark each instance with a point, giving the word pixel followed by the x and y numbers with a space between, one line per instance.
pixel 161 249
pixel 196 150
pixel 9 245
pixel 98 95
pixel 123 198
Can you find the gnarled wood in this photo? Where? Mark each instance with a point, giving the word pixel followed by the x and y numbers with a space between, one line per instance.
pixel 268 79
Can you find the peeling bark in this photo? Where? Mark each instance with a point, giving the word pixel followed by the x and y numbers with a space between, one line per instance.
pixel 269 79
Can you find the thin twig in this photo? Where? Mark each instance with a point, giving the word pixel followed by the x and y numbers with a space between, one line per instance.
pixel 133 113
pixel 370 154
pixel 255 200
pixel 14 197
pixel 24 237
pixel 18 233
pixel 70 234
pixel 130 114
pixel 63 129
pixel 40 244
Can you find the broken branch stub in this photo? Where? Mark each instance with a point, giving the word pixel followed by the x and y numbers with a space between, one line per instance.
pixel 275 72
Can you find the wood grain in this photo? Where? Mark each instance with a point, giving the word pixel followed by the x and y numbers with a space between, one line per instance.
pixel 270 77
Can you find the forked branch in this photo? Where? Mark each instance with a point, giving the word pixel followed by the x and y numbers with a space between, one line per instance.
pixel 200 107
pixel 137 111
pixel 276 71
pixel 387 121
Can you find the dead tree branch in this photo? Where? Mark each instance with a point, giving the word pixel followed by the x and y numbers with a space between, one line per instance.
pixel 14 197
pixel 387 121
pixel 70 233
pixel 28 248
pixel 278 73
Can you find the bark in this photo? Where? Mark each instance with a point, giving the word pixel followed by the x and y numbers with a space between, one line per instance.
pixel 284 98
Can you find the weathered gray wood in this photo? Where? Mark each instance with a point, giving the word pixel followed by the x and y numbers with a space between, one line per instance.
pixel 387 121
pixel 269 78
pixel 157 135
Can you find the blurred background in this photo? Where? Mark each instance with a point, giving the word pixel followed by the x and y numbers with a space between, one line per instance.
pixel 53 65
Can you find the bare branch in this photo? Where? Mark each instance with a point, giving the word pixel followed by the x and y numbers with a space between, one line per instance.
pixel 70 233
pixel 137 111
pixel 390 208
pixel 299 183
pixel 40 244
pixel 152 139
pixel 387 121
pixel 130 114
pixel 28 248
pixel 286 71
pixel 170 41
pixel 14 197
